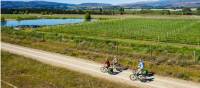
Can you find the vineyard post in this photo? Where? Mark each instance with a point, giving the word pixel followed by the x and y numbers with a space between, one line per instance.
pixel 167 34
pixel 117 48
pixel 158 38
pixel 151 50
pixel 14 34
pixel 43 39
pixel 194 55
pixel 61 37
pixel 77 43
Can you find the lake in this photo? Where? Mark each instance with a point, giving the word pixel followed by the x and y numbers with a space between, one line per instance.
pixel 40 22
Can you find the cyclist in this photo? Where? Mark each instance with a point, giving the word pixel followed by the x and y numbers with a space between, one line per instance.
pixel 107 63
pixel 114 61
pixel 140 66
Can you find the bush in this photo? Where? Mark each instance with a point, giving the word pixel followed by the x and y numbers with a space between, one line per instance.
pixel 88 16
pixel 166 12
pixel 19 18
pixel 187 11
pixel 3 19
pixel 198 11
pixel 121 10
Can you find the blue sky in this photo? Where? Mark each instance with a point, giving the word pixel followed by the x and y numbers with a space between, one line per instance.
pixel 89 1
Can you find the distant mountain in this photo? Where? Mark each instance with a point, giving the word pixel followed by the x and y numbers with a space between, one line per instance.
pixel 94 5
pixel 164 4
pixel 47 5
pixel 34 4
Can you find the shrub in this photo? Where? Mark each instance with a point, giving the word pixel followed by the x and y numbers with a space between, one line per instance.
pixel 3 19
pixel 187 11
pixel 88 16
pixel 198 11
pixel 19 18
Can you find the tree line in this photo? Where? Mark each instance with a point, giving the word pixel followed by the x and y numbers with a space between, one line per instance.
pixel 184 11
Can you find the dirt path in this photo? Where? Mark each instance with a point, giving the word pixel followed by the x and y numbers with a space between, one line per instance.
pixel 92 68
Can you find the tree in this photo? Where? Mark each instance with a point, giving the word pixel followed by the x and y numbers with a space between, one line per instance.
pixel 19 18
pixel 26 12
pixel 21 12
pixel 50 13
pixel 44 13
pixel 15 12
pixel 187 11
pixel 145 11
pixel 101 10
pixel 113 12
pixel 121 10
pixel 88 16
pixel 166 12
pixel 198 11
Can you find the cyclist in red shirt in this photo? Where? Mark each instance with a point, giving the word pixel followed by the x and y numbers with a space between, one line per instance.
pixel 107 63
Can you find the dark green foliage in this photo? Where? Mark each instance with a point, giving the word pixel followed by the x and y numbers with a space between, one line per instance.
pixel 101 10
pixel 145 11
pixel 19 18
pixel 121 10
pixel 44 13
pixel 187 11
pixel 15 12
pixel 166 12
pixel 198 11
pixel 88 16
pixel 3 19
pixel 26 12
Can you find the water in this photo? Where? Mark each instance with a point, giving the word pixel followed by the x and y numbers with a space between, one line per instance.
pixel 40 22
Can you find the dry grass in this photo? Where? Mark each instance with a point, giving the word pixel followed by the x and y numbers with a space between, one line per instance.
pixel 26 73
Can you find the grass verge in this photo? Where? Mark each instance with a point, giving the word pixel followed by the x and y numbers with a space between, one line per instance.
pixel 26 73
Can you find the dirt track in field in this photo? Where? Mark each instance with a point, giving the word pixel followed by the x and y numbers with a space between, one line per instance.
pixel 92 68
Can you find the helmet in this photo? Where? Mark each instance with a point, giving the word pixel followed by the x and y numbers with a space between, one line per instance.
pixel 141 60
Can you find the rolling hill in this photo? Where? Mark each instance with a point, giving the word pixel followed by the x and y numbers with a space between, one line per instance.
pixel 46 5
pixel 34 4
pixel 164 4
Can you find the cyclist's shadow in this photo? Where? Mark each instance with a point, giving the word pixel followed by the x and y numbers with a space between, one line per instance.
pixel 115 72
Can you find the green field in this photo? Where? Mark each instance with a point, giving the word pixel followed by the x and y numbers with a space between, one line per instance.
pixel 35 16
pixel 26 73
pixel 102 17
pixel 55 16
pixel 168 45
pixel 161 30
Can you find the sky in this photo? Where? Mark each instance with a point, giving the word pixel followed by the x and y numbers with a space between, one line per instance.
pixel 114 2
